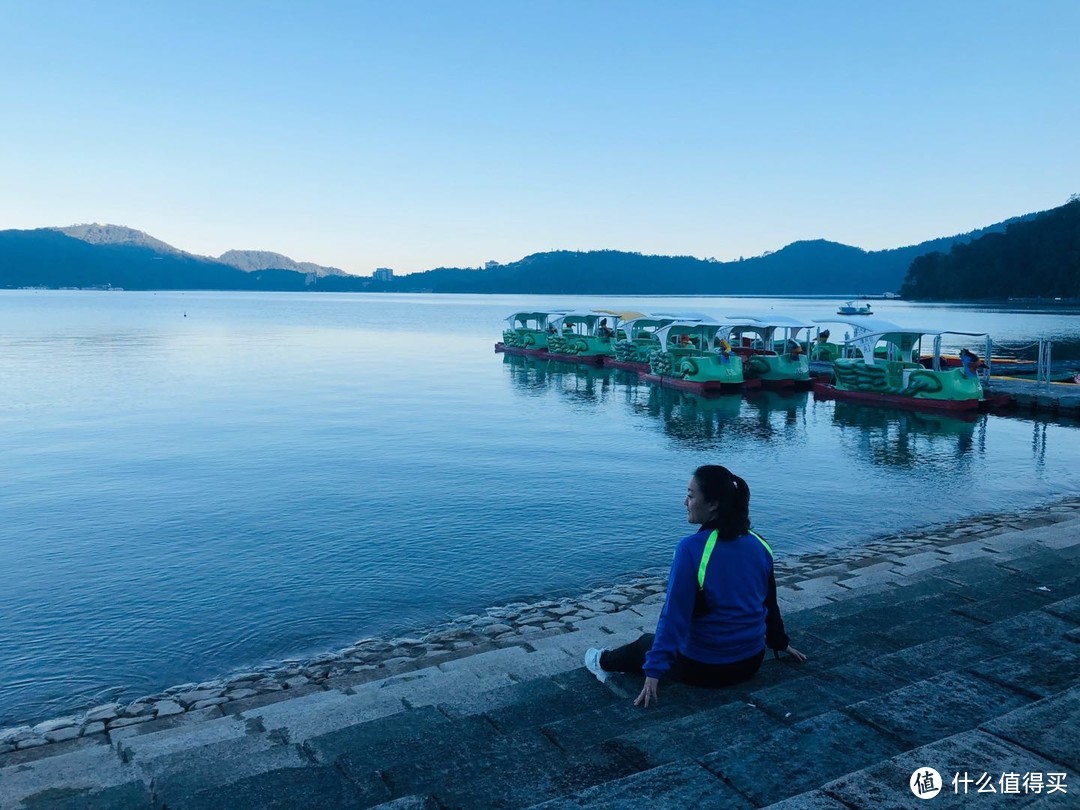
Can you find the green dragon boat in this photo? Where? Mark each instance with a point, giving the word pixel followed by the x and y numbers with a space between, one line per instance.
pixel 773 349
pixel 528 332
pixel 881 366
pixel 693 356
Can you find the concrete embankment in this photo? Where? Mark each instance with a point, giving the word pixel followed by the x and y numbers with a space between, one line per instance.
pixel 954 649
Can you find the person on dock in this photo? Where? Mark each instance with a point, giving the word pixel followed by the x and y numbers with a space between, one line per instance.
pixel 721 610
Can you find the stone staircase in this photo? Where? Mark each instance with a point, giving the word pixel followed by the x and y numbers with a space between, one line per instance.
pixel 965 658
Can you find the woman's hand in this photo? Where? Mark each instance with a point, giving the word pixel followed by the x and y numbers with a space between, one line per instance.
pixel 648 693
pixel 798 656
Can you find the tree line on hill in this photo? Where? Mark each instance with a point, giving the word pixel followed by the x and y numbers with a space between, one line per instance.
pixel 1036 258
pixel 1033 255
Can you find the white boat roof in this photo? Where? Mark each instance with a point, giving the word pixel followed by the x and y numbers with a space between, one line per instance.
pixel 684 316
pixel 535 313
pixel 863 324
pixel 768 320
pixel 664 331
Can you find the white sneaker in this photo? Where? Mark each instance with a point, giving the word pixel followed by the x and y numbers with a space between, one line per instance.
pixel 592 663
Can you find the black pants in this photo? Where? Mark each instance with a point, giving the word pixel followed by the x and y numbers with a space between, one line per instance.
pixel 631 658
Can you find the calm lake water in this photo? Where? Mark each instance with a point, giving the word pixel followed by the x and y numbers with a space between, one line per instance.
pixel 199 482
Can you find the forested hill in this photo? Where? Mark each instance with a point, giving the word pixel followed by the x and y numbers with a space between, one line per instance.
pixel 1039 257
pixel 121 257
pixel 815 267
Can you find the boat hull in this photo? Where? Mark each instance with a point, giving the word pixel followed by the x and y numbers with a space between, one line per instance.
pixel 824 390
pixel 581 359
pixel 699 387
pixel 501 347
pixel 626 365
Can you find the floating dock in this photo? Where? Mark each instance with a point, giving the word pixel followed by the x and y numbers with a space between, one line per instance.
pixel 1062 398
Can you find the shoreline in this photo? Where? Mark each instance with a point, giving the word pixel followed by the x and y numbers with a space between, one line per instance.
pixel 515 623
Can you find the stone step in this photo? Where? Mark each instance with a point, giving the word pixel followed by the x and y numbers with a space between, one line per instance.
pixel 175 777
pixel 511 770
pixel 678 784
pixel 793 760
pixel 83 772
pixel 885 785
pixel 314 787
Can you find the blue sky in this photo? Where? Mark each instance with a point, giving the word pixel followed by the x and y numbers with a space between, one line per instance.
pixel 421 134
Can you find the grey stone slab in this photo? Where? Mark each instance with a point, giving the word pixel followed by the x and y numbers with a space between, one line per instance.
pixel 816 693
pixel 595 726
pixel 932 627
pixel 383 740
pixel 90 769
pixel 940 706
pixel 1050 728
pixel 1025 628
pixel 814 800
pixel 1041 670
pixel 174 721
pixel 1068 609
pixel 683 784
pixel 1012 604
pixel 545 701
pixel 179 776
pixel 26 755
pixel 283 789
pixel 801 758
pixel 886 786
pixel 507 771
pixel 689 737
pixel 981 578
pixel 409 803
pixel 935 657
pixel 267 698
pixel 129 796
pixel 324 712
pixel 431 686
pixel 172 740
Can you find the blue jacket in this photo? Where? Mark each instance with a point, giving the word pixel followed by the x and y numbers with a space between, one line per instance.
pixel 740 596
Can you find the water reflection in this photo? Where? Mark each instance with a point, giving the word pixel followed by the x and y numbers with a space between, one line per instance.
pixel 906 439
pixel 704 423
pixel 580 383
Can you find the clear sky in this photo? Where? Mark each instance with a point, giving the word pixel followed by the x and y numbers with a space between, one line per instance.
pixel 418 134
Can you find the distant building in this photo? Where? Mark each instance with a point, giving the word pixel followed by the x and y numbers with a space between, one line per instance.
pixel 491 265
pixel 383 274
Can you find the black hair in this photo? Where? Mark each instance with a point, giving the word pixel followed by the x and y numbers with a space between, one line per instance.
pixel 721 486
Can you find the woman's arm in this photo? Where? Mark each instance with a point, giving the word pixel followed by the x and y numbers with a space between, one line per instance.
pixel 775 637
pixel 674 623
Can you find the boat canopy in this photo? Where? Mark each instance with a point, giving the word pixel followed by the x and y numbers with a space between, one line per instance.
pixel 764 321
pixel 863 324
pixel 540 318
pixel 706 329
pixel 633 327
pixel 588 318
pixel 622 315
pixel 906 342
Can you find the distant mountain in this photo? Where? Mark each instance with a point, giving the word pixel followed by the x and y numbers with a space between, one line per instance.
pixel 265 260
pixel 112 255
pixel 96 234
pixel 817 267
pixel 49 258
pixel 1038 257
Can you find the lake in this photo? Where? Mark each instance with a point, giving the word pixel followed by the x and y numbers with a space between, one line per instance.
pixel 199 482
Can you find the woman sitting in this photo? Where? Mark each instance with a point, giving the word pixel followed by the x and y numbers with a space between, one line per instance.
pixel 721 608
